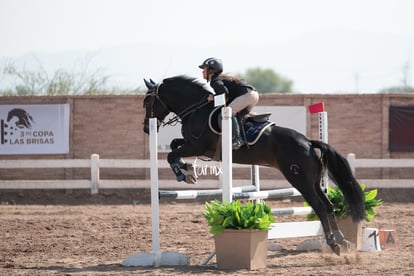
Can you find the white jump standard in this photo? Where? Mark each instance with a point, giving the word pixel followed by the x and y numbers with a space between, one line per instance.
pixel 155 258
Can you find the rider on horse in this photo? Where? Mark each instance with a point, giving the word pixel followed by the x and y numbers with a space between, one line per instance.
pixel 302 161
pixel 241 94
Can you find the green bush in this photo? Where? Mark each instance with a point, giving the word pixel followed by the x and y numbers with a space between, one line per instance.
pixel 234 215
pixel 341 208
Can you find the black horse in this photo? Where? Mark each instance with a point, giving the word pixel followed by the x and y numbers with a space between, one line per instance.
pixel 282 148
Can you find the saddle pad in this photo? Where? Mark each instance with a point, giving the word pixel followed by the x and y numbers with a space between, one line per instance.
pixel 254 129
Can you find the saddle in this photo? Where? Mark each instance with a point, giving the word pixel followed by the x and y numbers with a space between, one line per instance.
pixel 259 118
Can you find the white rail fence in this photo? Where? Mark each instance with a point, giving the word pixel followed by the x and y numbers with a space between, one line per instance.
pixel 383 163
pixel 94 183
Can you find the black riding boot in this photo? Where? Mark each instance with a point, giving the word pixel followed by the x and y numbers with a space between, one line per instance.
pixel 237 140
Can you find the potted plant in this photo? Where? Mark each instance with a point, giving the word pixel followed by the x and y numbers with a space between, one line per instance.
pixel 240 233
pixel 351 230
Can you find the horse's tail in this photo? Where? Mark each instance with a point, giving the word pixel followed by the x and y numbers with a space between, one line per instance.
pixel 341 174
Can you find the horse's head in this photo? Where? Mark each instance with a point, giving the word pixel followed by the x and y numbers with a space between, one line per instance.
pixel 180 95
pixel 154 106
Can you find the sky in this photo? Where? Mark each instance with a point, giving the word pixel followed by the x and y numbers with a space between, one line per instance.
pixel 56 26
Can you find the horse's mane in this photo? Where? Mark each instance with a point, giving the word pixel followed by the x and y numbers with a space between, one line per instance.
pixel 192 85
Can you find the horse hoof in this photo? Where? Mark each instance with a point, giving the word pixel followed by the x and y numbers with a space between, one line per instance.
pixel 347 245
pixel 190 179
pixel 336 248
pixel 339 236
pixel 189 167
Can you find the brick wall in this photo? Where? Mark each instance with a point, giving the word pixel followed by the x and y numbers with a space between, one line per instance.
pixel 112 127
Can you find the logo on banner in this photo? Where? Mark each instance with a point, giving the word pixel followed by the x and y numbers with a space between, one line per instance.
pixel 205 169
pixel 17 130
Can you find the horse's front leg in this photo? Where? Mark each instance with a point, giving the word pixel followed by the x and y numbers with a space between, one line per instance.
pixel 175 144
pixel 177 163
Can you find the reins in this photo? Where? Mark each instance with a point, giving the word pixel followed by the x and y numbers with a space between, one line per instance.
pixel 192 108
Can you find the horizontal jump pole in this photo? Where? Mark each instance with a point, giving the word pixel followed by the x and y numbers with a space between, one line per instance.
pixel 292 211
pixel 267 194
pixel 283 230
pixel 191 194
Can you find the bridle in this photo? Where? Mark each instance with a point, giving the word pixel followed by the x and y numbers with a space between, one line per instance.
pixel 153 94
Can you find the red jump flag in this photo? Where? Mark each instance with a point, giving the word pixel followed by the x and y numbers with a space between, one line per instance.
pixel 316 108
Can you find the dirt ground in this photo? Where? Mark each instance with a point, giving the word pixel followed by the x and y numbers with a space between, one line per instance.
pixel 72 234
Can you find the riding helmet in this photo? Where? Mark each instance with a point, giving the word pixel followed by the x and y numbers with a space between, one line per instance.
pixel 214 65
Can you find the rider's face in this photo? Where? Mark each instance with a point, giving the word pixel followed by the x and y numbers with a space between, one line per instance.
pixel 205 74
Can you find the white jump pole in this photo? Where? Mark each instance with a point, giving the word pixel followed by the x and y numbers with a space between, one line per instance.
pixel 226 154
pixel 255 176
pixel 226 162
pixel 155 205
pixel 156 258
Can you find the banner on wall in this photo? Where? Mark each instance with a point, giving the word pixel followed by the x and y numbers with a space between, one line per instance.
pixel 401 128
pixel 34 129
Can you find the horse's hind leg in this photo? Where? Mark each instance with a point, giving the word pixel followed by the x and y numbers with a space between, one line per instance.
pixel 305 176
pixel 322 211
pixel 338 235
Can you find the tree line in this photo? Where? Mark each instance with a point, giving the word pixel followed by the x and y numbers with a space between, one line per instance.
pixel 84 81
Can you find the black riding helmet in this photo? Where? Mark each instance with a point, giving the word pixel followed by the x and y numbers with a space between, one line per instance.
pixel 214 65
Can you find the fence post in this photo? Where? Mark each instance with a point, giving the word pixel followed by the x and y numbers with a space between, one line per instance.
pixel 351 161
pixel 94 174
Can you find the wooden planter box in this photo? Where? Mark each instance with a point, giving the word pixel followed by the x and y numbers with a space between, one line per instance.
pixel 352 231
pixel 241 249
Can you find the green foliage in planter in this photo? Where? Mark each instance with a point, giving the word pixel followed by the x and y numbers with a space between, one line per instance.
pixel 341 208
pixel 234 215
